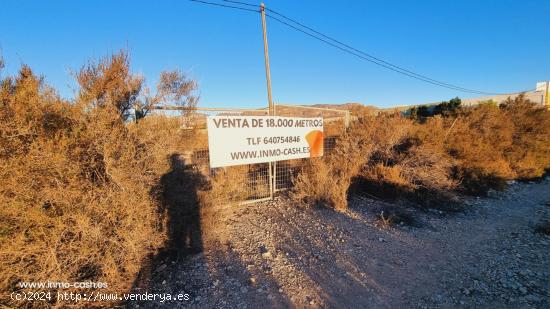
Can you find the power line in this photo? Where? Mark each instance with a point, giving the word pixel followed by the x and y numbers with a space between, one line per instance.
pixel 368 59
pixel 298 26
pixel 241 3
pixel 224 5
pixel 375 59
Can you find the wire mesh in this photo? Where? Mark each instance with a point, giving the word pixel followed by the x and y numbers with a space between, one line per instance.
pixel 232 184
pixel 335 123
pixel 288 169
pixel 252 182
pixel 240 183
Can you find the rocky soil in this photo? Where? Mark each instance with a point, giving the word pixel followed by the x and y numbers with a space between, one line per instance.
pixel 275 254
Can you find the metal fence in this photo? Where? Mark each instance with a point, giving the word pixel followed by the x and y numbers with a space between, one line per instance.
pixel 254 182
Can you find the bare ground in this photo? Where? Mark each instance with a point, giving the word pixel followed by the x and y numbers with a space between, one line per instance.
pixel 276 254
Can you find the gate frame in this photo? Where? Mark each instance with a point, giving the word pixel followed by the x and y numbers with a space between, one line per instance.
pixel 272 164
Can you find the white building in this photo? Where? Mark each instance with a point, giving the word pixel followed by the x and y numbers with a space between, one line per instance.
pixel 538 95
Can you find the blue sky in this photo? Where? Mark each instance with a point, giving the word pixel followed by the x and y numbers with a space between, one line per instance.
pixel 490 45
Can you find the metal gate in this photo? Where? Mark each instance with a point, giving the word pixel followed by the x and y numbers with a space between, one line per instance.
pixel 253 183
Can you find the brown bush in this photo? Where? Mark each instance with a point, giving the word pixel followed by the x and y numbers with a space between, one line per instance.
pixel 412 165
pixel 492 144
pixel 235 184
pixel 472 149
pixel 325 181
pixel 227 185
pixel 379 153
pixel 529 154
pixel 75 179
pixel 480 137
pixel 414 171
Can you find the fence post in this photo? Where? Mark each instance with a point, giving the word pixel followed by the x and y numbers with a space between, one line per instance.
pixel 346 120
pixel 546 99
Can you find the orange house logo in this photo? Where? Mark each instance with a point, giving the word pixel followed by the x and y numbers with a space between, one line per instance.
pixel 315 141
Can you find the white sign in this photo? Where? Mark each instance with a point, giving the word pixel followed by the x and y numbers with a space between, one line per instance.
pixel 236 140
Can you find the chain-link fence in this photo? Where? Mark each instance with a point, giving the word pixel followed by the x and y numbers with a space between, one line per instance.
pixel 335 122
pixel 252 182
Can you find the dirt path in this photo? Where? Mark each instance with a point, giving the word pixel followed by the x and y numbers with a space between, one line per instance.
pixel 276 255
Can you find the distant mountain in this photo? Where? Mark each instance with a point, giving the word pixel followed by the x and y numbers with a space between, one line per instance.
pixel 315 110
pixel 344 106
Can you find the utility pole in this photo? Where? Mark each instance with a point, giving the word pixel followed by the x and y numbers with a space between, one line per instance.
pixel 546 99
pixel 266 56
pixel 272 165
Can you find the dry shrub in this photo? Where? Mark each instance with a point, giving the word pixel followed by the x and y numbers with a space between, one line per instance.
pixel 426 170
pixel 492 144
pixel 478 141
pixel 529 154
pixel 73 186
pixel 474 149
pixel 109 82
pixel 226 186
pixel 76 180
pixel 411 163
pixel 323 183
pixel 162 136
pixel 402 180
pixel 378 154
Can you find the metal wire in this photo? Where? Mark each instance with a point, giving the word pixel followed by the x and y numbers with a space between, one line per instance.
pixel 241 3
pixel 251 183
pixel 224 5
